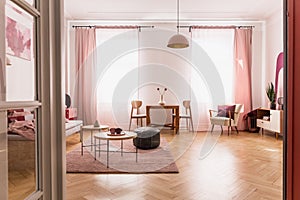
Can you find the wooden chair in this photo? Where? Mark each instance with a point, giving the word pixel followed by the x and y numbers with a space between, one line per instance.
pixel 135 105
pixel 187 115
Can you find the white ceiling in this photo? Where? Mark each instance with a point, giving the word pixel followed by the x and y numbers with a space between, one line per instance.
pixel 165 10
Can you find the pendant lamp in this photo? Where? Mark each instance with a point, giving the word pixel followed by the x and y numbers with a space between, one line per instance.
pixel 178 41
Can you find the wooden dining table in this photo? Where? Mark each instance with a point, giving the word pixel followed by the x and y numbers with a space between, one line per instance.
pixel 175 112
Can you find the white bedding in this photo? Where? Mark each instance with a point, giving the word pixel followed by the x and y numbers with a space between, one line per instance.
pixel 25 129
pixel 73 126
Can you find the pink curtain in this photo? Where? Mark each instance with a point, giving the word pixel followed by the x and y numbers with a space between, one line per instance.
pixel 243 59
pixel 85 87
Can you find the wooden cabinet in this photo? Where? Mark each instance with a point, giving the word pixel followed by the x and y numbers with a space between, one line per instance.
pixel 271 120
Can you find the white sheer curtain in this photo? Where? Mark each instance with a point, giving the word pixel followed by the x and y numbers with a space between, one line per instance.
pixel 126 73
pixel 218 44
pixel 84 94
pixel 117 75
pixel 217 57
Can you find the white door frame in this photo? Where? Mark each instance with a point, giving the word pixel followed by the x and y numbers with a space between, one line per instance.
pixel 50 98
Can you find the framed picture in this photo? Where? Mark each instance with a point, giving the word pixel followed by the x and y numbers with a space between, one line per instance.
pixel 18 34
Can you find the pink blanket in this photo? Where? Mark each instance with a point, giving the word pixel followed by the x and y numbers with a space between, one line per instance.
pixel 24 128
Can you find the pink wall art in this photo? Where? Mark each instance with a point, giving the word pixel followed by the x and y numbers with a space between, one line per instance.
pixel 18 39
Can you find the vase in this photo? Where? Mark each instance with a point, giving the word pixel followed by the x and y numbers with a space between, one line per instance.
pixel 161 100
pixel 272 106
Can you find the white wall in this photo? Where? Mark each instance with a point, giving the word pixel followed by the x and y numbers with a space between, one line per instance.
pixel 20 78
pixel 274 45
pixel 258 65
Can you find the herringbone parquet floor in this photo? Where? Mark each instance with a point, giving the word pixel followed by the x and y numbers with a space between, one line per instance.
pixel 244 166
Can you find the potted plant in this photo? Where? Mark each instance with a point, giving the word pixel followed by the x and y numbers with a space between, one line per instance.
pixel 270 90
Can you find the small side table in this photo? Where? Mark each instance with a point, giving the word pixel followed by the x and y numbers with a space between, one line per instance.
pixel 90 128
pixel 104 136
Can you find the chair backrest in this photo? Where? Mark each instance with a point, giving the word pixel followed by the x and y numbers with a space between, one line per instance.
pixel 136 104
pixel 186 103
pixel 238 110
pixel 187 106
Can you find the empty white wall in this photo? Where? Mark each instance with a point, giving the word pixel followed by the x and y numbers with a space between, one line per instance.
pixel 258 65
pixel 274 45
pixel 20 80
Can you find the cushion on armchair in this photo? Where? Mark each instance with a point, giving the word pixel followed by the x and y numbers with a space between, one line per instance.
pixel 223 111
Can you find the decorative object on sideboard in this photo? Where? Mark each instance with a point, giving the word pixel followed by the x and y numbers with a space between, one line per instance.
pixel 161 96
pixel 267 118
pixel 271 94
pixel 96 124
pixel 178 41
pixel 280 103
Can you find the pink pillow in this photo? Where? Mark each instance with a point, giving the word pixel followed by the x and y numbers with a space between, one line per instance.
pixel 223 111
pixel 19 115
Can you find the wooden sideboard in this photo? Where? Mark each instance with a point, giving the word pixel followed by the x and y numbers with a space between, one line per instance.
pixel 271 120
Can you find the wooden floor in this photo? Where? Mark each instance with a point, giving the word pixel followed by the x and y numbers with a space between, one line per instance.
pixel 21 169
pixel 211 166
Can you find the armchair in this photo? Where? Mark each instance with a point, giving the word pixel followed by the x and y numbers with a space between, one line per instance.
pixel 227 115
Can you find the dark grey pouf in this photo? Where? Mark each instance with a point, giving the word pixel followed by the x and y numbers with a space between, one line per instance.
pixel 147 138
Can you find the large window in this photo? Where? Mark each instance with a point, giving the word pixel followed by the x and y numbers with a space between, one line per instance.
pixel 135 71
pixel 218 44
pixel 132 64
pixel 117 60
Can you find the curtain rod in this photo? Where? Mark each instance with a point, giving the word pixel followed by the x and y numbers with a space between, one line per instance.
pixel 113 27
pixel 216 27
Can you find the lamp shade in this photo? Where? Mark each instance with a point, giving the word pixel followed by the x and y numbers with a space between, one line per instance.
pixel 178 41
